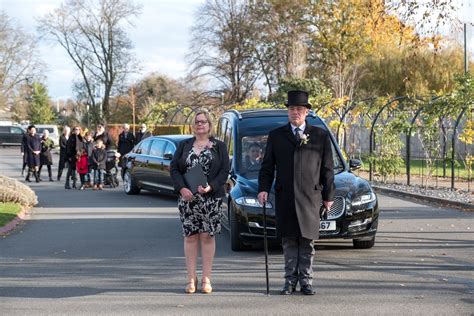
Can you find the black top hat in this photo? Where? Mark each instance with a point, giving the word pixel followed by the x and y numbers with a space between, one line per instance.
pixel 298 97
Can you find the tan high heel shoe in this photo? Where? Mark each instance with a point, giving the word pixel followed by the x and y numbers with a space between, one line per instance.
pixel 191 286
pixel 206 287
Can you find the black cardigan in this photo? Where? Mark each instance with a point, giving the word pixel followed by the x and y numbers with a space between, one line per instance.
pixel 218 172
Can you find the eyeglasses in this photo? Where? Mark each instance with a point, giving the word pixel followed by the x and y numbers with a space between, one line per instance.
pixel 200 122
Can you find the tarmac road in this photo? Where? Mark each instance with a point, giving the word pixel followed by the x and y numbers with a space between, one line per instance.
pixel 103 252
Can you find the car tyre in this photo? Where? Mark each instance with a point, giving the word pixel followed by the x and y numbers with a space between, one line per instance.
pixel 235 240
pixel 363 244
pixel 129 185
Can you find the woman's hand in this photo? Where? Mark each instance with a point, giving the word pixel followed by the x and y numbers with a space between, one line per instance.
pixel 204 190
pixel 186 194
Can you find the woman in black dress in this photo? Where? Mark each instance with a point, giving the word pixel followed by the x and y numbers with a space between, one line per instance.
pixel 200 213
pixel 62 150
pixel 32 152
pixel 45 156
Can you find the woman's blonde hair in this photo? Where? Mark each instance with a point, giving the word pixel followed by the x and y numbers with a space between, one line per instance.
pixel 208 118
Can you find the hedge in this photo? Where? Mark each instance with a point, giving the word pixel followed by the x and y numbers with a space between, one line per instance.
pixel 13 191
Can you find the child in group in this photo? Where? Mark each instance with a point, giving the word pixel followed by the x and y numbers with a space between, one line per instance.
pixel 89 147
pixel 99 158
pixel 82 168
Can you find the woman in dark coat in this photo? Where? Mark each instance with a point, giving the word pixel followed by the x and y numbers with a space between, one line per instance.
pixel 62 150
pixel 200 213
pixel 74 148
pixel 103 135
pixel 32 151
pixel 45 156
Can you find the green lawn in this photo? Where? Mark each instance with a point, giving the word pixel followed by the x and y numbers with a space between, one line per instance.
pixel 8 212
pixel 418 167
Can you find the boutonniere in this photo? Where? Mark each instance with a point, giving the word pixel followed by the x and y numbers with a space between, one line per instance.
pixel 211 145
pixel 304 139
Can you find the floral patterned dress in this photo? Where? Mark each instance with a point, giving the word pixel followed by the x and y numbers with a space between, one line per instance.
pixel 203 213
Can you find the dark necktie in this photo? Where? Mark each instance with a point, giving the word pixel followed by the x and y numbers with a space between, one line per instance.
pixel 297 135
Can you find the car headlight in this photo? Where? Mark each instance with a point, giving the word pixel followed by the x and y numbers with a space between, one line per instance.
pixel 251 201
pixel 364 199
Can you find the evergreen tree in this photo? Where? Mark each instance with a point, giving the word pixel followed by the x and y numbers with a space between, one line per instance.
pixel 40 111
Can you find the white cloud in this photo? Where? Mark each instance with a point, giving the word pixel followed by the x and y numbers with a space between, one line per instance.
pixel 160 38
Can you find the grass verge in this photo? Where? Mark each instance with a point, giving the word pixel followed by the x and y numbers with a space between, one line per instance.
pixel 8 211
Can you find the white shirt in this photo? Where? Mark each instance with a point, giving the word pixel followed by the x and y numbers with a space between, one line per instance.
pixel 302 127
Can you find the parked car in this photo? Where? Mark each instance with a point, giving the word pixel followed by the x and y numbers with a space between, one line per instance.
pixel 147 166
pixel 53 132
pixel 11 135
pixel 354 214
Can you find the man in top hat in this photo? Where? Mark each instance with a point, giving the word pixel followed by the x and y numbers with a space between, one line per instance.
pixel 301 155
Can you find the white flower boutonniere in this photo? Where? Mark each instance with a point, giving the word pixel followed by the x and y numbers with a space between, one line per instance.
pixel 210 145
pixel 304 139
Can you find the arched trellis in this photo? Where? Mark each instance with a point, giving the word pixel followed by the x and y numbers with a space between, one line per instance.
pixel 408 136
pixel 453 144
pixel 372 127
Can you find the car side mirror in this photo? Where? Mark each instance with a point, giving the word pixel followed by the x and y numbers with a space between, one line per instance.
pixel 355 164
pixel 168 156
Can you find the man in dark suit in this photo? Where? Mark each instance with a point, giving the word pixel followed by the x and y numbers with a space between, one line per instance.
pixel 253 160
pixel 142 134
pixel 126 142
pixel 301 155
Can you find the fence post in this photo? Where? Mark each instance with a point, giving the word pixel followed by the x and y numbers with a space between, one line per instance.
pixel 408 157
pixel 453 146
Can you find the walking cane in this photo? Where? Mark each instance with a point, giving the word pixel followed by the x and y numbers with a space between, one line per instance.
pixel 265 244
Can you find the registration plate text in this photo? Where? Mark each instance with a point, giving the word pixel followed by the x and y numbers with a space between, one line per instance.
pixel 327 225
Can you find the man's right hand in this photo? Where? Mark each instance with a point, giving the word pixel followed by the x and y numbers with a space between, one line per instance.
pixel 186 194
pixel 262 197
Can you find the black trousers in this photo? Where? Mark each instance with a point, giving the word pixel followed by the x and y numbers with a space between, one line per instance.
pixel 50 174
pixel 71 173
pixel 299 254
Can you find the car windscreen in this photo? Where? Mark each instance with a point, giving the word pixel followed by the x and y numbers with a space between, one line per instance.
pixel 252 143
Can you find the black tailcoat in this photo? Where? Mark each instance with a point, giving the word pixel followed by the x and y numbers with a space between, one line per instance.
pixel 304 175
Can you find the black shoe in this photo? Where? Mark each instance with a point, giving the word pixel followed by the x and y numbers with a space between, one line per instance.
pixel 67 187
pixel 307 290
pixel 288 289
pixel 51 179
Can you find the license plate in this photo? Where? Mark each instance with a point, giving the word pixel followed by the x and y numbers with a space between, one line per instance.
pixel 327 225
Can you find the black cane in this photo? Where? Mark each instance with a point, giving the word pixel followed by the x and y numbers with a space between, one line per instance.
pixel 265 244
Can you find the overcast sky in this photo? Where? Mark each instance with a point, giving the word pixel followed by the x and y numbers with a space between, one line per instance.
pixel 160 37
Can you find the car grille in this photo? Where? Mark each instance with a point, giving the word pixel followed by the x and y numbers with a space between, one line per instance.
pixel 337 209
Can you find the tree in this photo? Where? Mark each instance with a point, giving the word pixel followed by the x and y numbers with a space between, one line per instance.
pixel 221 47
pixel 93 34
pixel 40 111
pixel 156 88
pixel 281 41
pixel 18 60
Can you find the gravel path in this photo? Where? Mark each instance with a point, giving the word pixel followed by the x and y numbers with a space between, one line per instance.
pixel 442 193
